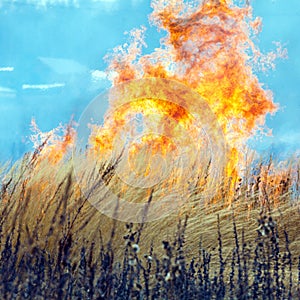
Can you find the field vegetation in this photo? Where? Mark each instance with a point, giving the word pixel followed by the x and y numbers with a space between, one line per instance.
pixel 242 244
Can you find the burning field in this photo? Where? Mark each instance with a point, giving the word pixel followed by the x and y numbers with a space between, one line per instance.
pixel 163 199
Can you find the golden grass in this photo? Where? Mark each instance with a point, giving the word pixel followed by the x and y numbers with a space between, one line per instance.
pixel 45 203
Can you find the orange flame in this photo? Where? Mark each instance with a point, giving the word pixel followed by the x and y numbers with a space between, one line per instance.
pixel 102 138
pixel 209 48
pixel 54 146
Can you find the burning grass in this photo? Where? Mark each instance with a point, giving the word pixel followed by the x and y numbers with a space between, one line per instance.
pixel 239 242
pixel 54 244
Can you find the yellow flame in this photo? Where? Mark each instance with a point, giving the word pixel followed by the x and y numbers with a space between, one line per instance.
pixel 209 48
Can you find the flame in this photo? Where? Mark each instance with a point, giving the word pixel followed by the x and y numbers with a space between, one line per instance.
pixel 209 48
pixel 102 138
pixel 52 146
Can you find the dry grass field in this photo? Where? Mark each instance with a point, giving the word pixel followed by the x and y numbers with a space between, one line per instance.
pixel 242 244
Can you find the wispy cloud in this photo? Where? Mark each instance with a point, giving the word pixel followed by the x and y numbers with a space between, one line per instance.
pixel 45 3
pixel 107 4
pixel 42 86
pixel 76 3
pixel 98 75
pixel 105 1
pixel 63 66
pixel 7 92
pixel 6 69
pixel 115 1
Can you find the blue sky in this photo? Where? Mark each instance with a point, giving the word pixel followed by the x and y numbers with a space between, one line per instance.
pixel 51 63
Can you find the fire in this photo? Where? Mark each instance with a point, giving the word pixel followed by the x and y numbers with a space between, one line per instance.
pixel 209 48
pixel 52 146
pixel 102 138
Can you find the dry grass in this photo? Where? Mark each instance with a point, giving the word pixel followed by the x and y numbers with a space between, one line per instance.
pixel 44 213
